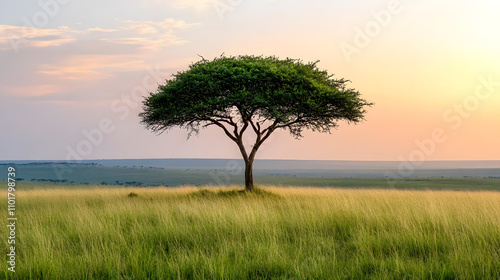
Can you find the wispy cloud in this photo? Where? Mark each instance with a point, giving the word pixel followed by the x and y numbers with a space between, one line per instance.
pixel 33 90
pixel 98 29
pixel 197 4
pixel 67 58
pixel 157 26
pixel 88 67
pixel 16 36
pixel 147 34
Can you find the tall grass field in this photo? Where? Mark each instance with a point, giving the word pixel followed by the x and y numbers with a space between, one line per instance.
pixel 275 233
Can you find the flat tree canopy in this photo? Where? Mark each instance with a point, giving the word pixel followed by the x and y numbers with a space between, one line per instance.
pixel 252 93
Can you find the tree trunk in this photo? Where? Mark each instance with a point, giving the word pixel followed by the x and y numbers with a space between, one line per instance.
pixel 248 175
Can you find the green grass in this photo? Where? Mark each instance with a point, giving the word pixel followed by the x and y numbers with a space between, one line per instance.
pixel 458 184
pixel 276 233
pixel 462 184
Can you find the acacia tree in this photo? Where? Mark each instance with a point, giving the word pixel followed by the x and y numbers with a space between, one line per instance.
pixel 252 93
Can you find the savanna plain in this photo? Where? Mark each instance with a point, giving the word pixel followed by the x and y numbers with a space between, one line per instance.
pixel 273 233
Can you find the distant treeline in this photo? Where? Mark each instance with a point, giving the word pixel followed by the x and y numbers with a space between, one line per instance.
pixel 52 163
pixel 116 183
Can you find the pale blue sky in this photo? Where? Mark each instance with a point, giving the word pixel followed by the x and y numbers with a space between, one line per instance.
pixel 90 59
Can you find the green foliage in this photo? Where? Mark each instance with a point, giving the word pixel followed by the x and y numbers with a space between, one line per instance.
pixel 230 90
pixel 264 93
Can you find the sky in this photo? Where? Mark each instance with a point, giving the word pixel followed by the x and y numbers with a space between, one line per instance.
pixel 73 74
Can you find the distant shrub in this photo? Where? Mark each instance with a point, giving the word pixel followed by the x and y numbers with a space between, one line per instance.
pixel 232 193
pixel 132 194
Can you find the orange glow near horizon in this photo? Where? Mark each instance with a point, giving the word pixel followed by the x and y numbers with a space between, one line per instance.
pixel 429 66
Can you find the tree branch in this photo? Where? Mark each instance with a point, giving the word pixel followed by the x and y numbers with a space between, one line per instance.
pixel 299 119
pixel 230 122
pixel 269 132
pixel 245 126
pixel 232 137
pixel 256 128
pixel 272 126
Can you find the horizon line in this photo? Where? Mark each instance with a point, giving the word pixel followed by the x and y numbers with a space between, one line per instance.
pixel 343 160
